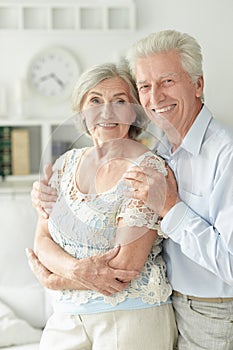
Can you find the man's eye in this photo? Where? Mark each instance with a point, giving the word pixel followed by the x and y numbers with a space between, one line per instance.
pixel 168 82
pixel 143 87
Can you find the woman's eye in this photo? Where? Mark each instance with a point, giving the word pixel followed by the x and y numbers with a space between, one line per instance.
pixel 95 100
pixel 120 101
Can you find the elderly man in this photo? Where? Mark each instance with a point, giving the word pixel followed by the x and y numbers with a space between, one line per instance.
pixel 196 214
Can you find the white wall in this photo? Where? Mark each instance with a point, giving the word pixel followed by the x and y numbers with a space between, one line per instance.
pixel 210 21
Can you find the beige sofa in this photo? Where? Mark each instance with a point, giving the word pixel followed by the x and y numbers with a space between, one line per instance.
pixel 24 304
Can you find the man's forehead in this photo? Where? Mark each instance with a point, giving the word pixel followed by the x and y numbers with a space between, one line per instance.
pixel 160 76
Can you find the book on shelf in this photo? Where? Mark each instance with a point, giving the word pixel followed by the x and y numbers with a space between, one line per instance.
pixel 14 151
pixel 5 151
pixel 20 152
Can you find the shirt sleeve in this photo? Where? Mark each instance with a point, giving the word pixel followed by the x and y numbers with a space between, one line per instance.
pixel 208 243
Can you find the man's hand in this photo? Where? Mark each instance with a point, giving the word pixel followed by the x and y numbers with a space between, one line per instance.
pixel 42 195
pixel 159 192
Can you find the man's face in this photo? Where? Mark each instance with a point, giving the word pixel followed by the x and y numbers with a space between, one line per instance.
pixel 170 98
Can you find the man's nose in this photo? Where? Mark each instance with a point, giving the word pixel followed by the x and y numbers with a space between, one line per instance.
pixel 157 95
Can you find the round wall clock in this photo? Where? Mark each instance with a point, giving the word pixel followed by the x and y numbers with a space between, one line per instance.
pixel 53 73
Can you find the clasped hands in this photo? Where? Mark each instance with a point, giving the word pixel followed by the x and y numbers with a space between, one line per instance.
pixel 95 274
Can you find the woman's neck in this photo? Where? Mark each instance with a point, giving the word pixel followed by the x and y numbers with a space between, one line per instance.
pixel 117 148
pixel 102 166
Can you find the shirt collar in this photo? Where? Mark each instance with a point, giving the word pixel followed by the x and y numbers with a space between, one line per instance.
pixel 194 138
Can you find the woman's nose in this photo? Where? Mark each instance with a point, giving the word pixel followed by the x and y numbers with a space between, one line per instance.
pixel 107 111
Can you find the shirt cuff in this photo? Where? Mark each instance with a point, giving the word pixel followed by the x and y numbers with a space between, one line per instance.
pixel 176 219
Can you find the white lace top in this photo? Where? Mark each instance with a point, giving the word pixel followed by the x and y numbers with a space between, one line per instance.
pixel 85 225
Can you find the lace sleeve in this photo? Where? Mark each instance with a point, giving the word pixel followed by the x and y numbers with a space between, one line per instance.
pixel 55 179
pixel 58 170
pixel 63 166
pixel 135 212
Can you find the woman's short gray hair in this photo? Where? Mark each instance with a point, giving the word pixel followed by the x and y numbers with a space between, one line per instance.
pixel 185 45
pixel 100 72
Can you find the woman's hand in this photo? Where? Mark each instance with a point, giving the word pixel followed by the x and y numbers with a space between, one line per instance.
pixel 42 195
pixel 159 192
pixel 94 272
pixel 47 278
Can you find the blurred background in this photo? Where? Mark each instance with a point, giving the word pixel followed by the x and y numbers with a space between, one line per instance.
pixel 96 31
pixel 36 123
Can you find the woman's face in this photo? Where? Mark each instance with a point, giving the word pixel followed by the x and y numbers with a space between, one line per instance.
pixel 108 110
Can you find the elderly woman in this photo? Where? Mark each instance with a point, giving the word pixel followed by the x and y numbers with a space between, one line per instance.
pixel 92 215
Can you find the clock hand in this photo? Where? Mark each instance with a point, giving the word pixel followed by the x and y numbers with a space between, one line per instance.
pixel 59 81
pixel 53 76
pixel 46 77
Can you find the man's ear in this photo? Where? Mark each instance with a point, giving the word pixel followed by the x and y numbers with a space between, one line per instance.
pixel 199 86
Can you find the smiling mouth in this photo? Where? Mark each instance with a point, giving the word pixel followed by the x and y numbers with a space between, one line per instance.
pixel 108 125
pixel 164 109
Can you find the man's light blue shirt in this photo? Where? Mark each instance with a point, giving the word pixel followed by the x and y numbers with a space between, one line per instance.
pixel 199 250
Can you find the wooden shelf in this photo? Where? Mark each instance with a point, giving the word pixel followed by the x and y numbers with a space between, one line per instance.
pixel 15 185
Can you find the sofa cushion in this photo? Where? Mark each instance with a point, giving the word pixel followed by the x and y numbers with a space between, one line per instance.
pixel 19 289
pixel 15 331
pixel 34 346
